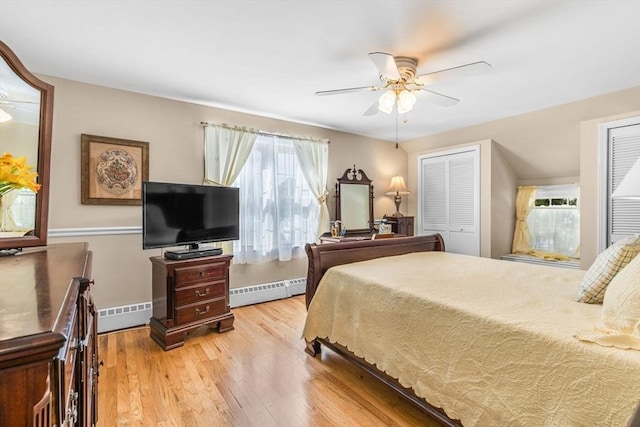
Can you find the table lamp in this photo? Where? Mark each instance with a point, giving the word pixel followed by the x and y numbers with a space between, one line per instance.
pixel 397 188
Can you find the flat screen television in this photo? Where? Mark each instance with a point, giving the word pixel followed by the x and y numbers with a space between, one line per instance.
pixel 188 214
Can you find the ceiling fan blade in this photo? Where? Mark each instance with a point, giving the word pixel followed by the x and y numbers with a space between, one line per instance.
pixel 454 72
pixel 373 110
pixel 438 98
pixel 348 90
pixel 386 65
pixel 17 101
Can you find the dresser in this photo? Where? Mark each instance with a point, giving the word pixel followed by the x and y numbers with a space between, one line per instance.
pixel 48 353
pixel 188 294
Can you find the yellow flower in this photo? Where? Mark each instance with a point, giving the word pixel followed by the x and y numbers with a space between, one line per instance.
pixel 15 174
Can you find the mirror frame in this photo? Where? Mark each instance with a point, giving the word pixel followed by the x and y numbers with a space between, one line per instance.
pixel 356 177
pixel 39 237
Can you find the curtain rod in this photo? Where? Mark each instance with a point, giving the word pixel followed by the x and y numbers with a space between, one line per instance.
pixel 261 132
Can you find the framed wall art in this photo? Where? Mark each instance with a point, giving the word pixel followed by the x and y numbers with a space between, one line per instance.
pixel 113 170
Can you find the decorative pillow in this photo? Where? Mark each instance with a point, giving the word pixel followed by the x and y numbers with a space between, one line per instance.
pixel 621 306
pixel 605 267
pixel 620 315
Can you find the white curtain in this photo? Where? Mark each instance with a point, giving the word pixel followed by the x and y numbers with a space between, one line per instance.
pixel 17 210
pixel 314 161
pixel 226 150
pixel 556 229
pixel 279 213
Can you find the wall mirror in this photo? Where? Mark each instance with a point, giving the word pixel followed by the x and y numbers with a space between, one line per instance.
pixel 26 114
pixel 354 201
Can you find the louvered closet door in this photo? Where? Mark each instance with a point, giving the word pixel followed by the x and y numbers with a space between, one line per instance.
pixel 449 199
pixel 624 150
pixel 433 189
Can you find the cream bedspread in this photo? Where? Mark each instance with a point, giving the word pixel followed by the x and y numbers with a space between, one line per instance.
pixel 491 342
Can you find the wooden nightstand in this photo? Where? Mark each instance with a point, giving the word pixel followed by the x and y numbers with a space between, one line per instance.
pixel 188 294
pixel 401 224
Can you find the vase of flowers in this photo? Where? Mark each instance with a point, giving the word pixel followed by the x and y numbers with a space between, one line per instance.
pixel 16 174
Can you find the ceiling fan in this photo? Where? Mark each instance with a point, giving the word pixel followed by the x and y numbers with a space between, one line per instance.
pixel 399 82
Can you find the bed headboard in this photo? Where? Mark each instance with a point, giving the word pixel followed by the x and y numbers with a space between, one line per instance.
pixel 324 256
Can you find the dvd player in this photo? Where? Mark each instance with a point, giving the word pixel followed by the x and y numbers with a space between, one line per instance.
pixel 192 253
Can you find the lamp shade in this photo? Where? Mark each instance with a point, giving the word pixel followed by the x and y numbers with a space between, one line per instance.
pixel 629 187
pixel 386 101
pixel 397 186
pixel 406 101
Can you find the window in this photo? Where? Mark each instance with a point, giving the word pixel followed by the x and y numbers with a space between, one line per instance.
pixel 554 221
pixel 17 210
pixel 278 212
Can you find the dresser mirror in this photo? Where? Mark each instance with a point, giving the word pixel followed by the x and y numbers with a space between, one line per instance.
pixel 26 114
pixel 354 201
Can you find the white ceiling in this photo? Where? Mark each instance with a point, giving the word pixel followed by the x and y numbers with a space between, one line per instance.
pixel 269 57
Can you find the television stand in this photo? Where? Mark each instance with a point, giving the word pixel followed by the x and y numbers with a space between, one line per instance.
pixel 188 294
pixel 192 253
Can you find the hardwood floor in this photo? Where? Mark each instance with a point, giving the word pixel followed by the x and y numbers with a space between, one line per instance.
pixel 256 375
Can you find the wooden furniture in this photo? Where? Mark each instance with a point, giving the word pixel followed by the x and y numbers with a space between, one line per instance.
pixel 34 140
pixel 354 201
pixel 328 238
pixel 344 239
pixel 323 257
pixel 188 294
pixel 48 353
pixel 401 224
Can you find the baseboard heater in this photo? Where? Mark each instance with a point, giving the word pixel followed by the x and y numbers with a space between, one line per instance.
pixel 575 264
pixel 128 316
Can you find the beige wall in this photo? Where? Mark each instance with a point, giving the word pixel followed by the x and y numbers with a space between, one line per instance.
pixel 551 146
pixel 540 145
pixel 13 135
pixel 503 202
pixel 122 270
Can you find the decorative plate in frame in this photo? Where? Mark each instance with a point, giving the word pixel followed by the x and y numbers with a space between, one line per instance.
pixel 113 170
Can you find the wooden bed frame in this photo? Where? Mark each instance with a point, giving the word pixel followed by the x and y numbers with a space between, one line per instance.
pixel 324 256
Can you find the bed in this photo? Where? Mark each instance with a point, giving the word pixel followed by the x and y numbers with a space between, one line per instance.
pixel 471 341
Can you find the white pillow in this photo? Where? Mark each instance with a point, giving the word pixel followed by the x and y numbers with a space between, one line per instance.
pixel 621 306
pixel 620 316
pixel 605 268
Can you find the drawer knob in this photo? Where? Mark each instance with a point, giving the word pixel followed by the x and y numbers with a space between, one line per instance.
pixel 201 312
pixel 199 294
pixel 201 273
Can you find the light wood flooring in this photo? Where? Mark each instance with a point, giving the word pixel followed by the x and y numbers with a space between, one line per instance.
pixel 255 375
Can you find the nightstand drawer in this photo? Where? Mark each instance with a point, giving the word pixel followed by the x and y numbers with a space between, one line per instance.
pixel 186 275
pixel 200 292
pixel 195 312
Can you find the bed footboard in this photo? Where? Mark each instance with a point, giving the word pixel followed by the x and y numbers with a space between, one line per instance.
pixel 324 256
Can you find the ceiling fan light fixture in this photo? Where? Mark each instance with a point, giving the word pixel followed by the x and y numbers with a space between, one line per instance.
pixel 386 101
pixel 406 101
pixel 4 116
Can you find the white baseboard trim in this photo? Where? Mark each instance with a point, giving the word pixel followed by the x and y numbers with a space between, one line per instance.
pixel 128 316
pixel 94 231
